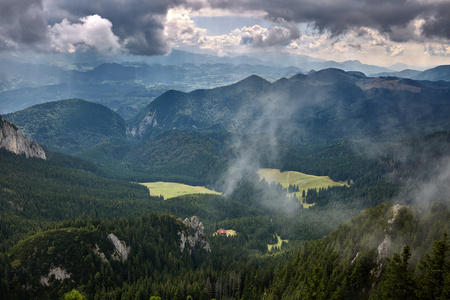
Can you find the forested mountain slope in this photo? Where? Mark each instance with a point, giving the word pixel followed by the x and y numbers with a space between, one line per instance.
pixel 350 263
pixel 69 126
pixel 35 192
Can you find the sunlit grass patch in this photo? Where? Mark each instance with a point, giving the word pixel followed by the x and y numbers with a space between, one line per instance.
pixel 172 189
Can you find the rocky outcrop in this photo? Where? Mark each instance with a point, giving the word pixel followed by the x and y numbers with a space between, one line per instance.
pixel 57 273
pixel 100 254
pixel 385 246
pixel 147 121
pixel 193 235
pixel 13 140
pixel 121 250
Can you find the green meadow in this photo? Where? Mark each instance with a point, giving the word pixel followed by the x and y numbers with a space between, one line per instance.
pixel 302 180
pixel 172 189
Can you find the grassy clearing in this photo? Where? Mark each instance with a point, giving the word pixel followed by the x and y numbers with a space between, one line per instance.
pixel 277 245
pixel 302 180
pixel 172 189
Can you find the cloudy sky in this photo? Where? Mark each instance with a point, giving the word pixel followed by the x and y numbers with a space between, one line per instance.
pixel 414 32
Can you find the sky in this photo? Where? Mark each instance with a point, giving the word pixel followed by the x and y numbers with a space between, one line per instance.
pixel 378 32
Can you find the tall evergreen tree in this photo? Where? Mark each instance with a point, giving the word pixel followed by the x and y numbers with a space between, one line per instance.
pixel 398 278
pixel 436 270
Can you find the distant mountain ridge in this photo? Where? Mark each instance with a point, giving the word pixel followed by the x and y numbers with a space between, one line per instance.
pixel 127 84
pixel 327 103
pixel 314 107
pixel 435 74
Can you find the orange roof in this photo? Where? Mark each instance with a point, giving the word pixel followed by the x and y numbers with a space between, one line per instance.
pixel 221 231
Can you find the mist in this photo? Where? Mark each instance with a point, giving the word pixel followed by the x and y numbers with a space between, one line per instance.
pixel 267 120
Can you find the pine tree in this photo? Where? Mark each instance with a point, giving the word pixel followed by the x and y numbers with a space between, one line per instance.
pixel 398 278
pixel 436 269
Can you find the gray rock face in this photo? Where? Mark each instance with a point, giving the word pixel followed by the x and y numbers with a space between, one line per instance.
pixel 194 237
pixel 121 250
pixel 148 121
pixel 13 140
pixel 58 273
pixel 385 246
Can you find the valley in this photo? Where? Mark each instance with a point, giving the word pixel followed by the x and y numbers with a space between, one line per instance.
pixel 131 204
pixel 224 150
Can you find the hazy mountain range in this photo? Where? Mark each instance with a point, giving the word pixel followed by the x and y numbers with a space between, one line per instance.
pixel 126 87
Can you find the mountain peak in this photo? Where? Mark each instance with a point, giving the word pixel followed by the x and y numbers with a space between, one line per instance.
pixel 253 79
pixel 333 75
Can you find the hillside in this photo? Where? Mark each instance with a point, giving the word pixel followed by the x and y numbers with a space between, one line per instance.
pixel 36 192
pixel 200 109
pixel 80 256
pixel 69 126
pixel 361 258
pixel 178 153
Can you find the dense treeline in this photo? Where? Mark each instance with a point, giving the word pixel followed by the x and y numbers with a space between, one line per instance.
pixel 344 264
pixel 155 265
pixel 34 192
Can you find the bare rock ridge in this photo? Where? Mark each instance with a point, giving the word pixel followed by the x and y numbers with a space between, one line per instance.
pixel 13 140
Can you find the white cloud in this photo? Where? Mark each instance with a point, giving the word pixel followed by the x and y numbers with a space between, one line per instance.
pixel 179 29
pixel 258 36
pixel 93 32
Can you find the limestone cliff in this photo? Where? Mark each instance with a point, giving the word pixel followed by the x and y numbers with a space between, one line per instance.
pixel 13 140
pixel 193 235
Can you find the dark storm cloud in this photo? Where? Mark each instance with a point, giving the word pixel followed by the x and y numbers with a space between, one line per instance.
pixel 22 24
pixel 438 25
pixel 390 17
pixel 139 24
